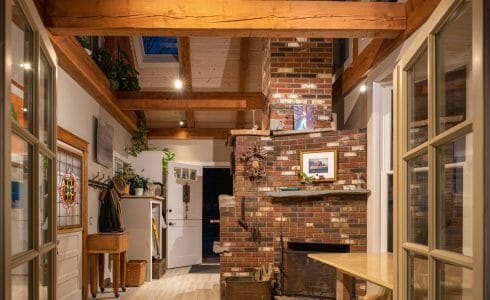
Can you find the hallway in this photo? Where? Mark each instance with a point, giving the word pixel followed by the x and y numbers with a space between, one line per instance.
pixel 176 284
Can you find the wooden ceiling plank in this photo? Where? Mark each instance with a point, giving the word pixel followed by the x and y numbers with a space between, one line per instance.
pixel 194 101
pixel 188 133
pixel 418 11
pixel 242 77
pixel 329 19
pixel 80 66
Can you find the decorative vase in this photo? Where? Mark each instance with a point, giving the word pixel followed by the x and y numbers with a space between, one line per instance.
pixel 138 191
pixel 127 187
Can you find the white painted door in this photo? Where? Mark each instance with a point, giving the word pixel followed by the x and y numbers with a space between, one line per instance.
pixel 184 233
pixel 69 266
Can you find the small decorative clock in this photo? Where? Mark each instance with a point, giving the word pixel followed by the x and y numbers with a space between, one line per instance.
pixel 254 162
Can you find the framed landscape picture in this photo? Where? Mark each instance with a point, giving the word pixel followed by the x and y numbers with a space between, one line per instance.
pixel 322 165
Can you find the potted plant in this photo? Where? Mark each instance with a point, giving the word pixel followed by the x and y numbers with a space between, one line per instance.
pixel 126 174
pixel 139 184
pixel 309 181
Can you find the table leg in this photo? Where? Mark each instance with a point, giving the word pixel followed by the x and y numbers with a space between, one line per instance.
pixel 123 271
pixel 116 263
pixel 343 286
pixel 93 274
pixel 101 271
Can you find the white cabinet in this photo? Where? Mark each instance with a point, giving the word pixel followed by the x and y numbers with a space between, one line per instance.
pixel 138 215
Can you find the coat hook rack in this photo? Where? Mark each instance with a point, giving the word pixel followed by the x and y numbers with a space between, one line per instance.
pixel 100 182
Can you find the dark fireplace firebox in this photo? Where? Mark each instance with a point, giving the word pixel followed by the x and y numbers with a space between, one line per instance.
pixel 306 277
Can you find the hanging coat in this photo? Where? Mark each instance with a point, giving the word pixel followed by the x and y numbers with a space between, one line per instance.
pixel 110 213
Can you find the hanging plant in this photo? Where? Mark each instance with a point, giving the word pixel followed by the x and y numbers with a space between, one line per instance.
pixel 139 141
pixel 121 74
pixel 167 157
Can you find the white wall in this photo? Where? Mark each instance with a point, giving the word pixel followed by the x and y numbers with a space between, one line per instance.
pixel 77 111
pixel 199 151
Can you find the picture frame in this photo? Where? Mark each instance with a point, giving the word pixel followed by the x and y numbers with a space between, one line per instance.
pixel 321 164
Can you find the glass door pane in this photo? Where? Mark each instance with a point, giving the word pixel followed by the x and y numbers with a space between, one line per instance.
pixel 21 184
pixel 418 277
pixel 453 52
pixel 22 282
pixel 454 283
pixel 455 195
pixel 45 199
pixel 418 101
pixel 417 200
pixel 45 274
pixel 45 99
pixel 22 70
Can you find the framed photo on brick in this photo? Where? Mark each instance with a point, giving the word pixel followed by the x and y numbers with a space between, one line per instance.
pixel 321 165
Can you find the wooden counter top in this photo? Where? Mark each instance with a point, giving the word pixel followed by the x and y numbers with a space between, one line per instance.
pixel 373 267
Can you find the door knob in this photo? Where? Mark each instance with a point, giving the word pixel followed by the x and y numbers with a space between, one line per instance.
pixel 171 223
pixel 169 210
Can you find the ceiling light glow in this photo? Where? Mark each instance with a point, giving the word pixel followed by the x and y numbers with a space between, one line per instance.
pixel 26 66
pixel 363 88
pixel 178 84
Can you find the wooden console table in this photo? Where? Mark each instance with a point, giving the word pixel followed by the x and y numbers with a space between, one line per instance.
pixel 373 267
pixel 115 244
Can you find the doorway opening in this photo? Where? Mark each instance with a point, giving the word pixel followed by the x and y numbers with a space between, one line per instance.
pixel 216 181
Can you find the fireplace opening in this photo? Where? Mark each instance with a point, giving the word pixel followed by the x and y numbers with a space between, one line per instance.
pixel 306 277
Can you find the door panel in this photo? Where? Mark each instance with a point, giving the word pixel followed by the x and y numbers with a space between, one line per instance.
pixel 69 258
pixel 184 241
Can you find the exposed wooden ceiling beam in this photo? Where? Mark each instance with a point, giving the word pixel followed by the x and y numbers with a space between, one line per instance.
pixel 242 77
pixel 186 73
pixel 332 19
pixel 194 101
pixel 189 133
pixel 80 66
pixel 418 11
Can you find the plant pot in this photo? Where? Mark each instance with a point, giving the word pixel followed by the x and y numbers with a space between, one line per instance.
pixel 138 191
pixel 127 188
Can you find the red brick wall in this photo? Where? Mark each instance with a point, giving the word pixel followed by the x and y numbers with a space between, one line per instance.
pixel 300 73
pixel 334 219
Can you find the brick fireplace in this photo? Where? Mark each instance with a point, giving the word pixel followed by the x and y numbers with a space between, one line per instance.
pixel 296 71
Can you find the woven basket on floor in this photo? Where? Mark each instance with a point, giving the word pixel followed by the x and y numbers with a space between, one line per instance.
pixel 135 272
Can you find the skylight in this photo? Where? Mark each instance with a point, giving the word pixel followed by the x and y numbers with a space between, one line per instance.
pixel 161 45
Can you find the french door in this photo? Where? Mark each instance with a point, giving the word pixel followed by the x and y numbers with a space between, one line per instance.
pixel 439 174
pixel 28 151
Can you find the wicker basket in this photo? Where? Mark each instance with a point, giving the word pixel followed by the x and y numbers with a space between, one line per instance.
pixel 135 272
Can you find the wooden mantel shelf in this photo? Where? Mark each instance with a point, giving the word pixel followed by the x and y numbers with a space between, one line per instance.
pixel 313 194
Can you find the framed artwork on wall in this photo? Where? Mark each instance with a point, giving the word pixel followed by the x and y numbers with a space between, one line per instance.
pixel 321 165
pixel 303 117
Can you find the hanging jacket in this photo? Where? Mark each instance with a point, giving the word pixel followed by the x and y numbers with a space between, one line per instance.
pixel 110 213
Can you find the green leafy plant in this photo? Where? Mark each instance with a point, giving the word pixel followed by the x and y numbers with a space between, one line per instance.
pixel 139 141
pixel 167 156
pixel 139 182
pixel 307 179
pixel 121 74
pixel 83 40
pixel 126 174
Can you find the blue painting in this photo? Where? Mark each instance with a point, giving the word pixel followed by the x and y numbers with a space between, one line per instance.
pixel 303 117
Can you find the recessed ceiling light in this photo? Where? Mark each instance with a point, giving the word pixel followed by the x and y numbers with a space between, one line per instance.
pixel 24 109
pixel 363 88
pixel 178 84
pixel 181 123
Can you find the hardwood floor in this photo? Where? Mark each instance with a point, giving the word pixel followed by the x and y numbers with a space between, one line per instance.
pixel 176 284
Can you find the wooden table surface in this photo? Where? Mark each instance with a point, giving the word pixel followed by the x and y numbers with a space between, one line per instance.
pixel 373 267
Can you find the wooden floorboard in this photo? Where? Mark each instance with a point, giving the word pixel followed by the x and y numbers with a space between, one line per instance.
pixel 176 284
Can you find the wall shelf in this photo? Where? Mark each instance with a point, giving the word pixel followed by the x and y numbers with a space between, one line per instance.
pixel 316 194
